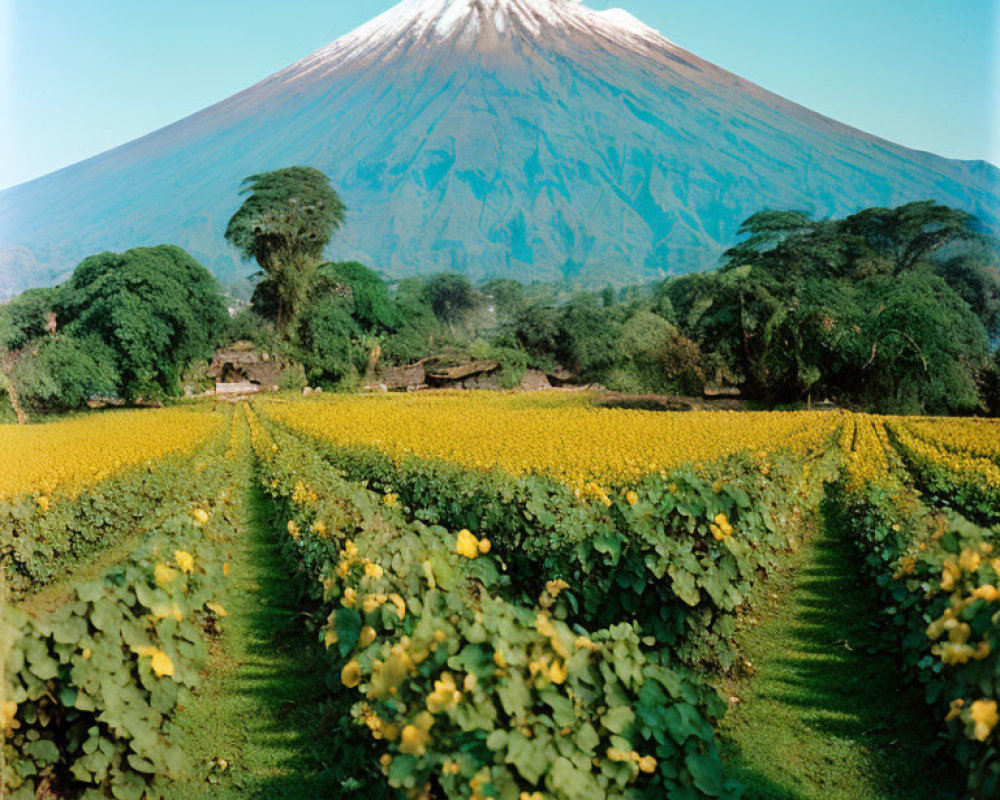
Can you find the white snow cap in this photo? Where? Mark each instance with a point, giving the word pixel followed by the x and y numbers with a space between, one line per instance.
pixel 444 18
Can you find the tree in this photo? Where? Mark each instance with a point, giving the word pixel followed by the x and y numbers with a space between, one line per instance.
pixel 372 306
pixel 61 374
pixel 588 338
pixel 508 296
pixel 156 309
pixel 285 224
pixel 451 297
pixel 329 341
pixel 908 235
pixel 25 317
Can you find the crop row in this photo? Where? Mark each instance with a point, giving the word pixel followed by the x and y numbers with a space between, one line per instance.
pixel 42 536
pixel 938 577
pixel 88 690
pixel 463 687
pixel 678 551
pixel 968 482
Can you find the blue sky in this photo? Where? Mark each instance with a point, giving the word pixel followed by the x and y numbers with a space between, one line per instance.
pixel 78 77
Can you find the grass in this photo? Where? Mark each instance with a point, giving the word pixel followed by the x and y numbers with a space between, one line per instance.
pixel 825 715
pixel 264 707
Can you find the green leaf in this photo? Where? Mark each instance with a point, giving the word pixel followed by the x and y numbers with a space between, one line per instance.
pixel 618 719
pixel 348 627
pixel 43 750
pixel 706 771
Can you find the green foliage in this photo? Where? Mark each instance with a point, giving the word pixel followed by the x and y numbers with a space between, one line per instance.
pixel 907 553
pixel 523 676
pixel 285 224
pixel 588 338
pixel 507 296
pixel 848 308
pixel 42 536
pixel 25 317
pixel 372 306
pixel 249 326
pixel 658 358
pixel 655 562
pixel 451 297
pixel 329 341
pixel 155 310
pixel 97 681
pixel 60 373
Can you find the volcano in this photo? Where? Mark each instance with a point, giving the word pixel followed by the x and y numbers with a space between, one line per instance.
pixel 532 139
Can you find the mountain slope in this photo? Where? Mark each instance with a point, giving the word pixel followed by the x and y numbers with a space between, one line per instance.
pixel 535 139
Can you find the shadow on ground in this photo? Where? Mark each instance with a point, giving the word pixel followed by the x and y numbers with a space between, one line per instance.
pixel 827 715
pixel 266 708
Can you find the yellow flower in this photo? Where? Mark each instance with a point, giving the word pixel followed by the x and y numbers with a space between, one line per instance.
pixel 8 712
pixel 185 561
pixel 164 575
pixel 373 603
pixel 87 653
pixel 986 592
pixel 161 663
pixel 367 636
pixel 330 637
pixel 397 601
pixel 217 609
pixel 647 764
pixel 955 709
pixel 618 756
pixel 391 499
pixel 350 675
pixel 163 611
pixel 350 598
pixel 293 529
pixel 373 570
pixel 983 714
pixel 555 588
pixel 558 673
pixel 413 741
pixel 43 504
pixel 200 516
pixel 445 695
pixel 225 569
pixel 969 560
pixel 499 658
pixel 467 545
pixel 485 546
pixel 632 497
pixel 723 524
pixel 319 528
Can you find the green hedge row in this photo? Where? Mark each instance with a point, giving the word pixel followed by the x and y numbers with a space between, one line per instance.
pixel 42 537
pixel 467 689
pixel 938 576
pixel 89 689
pixel 679 552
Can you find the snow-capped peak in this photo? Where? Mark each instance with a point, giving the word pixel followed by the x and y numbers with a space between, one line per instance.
pixel 443 19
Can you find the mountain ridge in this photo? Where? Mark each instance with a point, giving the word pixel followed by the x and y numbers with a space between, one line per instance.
pixel 536 139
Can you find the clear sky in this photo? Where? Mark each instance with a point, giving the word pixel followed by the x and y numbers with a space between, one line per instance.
pixel 78 77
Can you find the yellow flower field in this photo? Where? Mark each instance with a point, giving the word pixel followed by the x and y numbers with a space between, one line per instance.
pixel 559 435
pixel 72 454
pixel 976 437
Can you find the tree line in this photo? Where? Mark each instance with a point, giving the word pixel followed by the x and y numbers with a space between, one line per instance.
pixel 888 310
